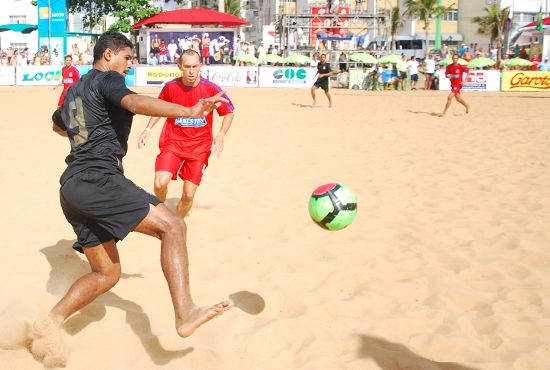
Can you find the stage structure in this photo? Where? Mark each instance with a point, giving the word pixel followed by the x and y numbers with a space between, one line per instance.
pixel 321 31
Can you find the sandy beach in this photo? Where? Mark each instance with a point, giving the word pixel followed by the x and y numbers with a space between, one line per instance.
pixel 446 267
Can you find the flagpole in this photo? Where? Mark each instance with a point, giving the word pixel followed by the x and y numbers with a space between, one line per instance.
pixel 511 18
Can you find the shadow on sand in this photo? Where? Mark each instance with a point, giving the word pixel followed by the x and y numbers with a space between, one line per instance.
pixel 394 356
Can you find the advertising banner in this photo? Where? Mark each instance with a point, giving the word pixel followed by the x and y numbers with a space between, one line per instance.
pixel 330 29
pixel 477 81
pixel 525 81
pixel 194 38
pixel 52 16
pixel 51 75
pixel 7 76
pixel 293 77
pixel 220 75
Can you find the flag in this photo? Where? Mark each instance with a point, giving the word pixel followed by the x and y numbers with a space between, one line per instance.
pixel 539 21
pixel 510 17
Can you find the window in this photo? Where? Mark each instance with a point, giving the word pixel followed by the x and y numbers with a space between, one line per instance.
pixel 18 19
pixel 18 46
pixel 450 16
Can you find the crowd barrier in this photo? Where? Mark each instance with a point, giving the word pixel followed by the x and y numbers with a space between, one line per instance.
pixel 275 77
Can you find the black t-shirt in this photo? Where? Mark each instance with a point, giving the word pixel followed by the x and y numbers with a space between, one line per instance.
pixel 323 68
pixel 225 50
pixel 97 126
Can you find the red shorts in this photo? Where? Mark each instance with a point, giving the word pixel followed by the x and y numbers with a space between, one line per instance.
pixel 191 170
pixel 61 99
pixel 455 89
pixel 205 51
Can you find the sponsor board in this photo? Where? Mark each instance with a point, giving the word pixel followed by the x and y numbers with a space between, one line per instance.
pixel 221 76
pixel 477 81
pixel 294 77
pixel 7 76
pixel 51 75
pixel 525 81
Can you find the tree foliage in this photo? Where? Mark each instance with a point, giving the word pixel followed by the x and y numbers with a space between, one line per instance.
pixel 493 24
pixel 426 11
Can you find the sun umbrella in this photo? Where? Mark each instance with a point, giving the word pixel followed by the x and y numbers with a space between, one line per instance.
pixel 247 58
pixel 480 63
pixel 363 58
pixel 448 61
pixel 390 58
pixel 298 59
pixel 518 62
pixel 272 58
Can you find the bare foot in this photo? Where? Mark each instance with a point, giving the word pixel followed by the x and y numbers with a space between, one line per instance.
pixel 47 340
pixel 313 105
pixel 467 109
pixel 330 106
pixel 201 315
pixel 441 115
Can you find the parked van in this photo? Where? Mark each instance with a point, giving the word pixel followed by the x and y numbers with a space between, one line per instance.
pixel 408 45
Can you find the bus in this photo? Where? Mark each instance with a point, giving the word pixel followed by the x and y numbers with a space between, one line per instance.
pixel 407 45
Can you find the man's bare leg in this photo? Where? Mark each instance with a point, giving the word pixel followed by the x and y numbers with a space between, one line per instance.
pixel 313 96
pixel 105 264
pixel 449 100
pixel 171 230
pixel 162 179
pixel 329 99
pixel 461 101
pixel 187 196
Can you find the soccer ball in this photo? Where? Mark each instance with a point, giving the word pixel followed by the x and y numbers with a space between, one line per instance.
pixel 332 206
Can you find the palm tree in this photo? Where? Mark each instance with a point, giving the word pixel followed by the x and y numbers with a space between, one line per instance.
pixel 426 11
pixel 396 22
pixel 493 24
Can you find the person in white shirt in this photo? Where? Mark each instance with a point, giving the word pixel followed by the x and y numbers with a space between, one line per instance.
pixel 172 51
pixel 56 60
pixel 429 69
pixel 314 61
pixel 412 66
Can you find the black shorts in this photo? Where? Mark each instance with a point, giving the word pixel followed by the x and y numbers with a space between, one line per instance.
pixel 403 75
pixel 156 50
pixel 414 77
pixel 323 84
pixel 103 205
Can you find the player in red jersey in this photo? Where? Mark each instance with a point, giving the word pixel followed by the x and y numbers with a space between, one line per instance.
pixel 70 76
pixel 187 141
pixel 455 72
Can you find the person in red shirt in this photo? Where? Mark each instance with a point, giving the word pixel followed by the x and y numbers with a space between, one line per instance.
pixel 536 61
pixel 186 143
pixel 455 72
pixel 70 76
pixel 162 53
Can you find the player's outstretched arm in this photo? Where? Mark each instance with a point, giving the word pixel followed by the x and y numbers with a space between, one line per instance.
pixel 144 137
pixel 148 106
pixel 217 145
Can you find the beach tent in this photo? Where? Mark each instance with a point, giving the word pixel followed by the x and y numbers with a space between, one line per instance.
pixel 195 16
pixel 18 27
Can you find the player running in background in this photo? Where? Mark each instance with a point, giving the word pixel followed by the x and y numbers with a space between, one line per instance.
pixel 186 143
pixel 455 72
pixel 70 76
pixel 323 81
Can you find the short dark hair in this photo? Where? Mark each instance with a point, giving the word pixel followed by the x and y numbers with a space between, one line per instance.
pixel 189 52
pixel 110 40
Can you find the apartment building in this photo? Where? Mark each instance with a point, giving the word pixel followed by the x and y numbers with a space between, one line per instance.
pixel 18 11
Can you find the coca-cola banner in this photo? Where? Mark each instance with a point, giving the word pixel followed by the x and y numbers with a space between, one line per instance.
pixel 220 75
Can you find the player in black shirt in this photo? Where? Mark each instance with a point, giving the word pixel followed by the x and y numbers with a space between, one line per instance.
pixel 102 205
pixel 324 71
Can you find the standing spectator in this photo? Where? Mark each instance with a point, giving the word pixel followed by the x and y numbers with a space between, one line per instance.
pixel 172 51
pixel 402 78
pixel 162 52
pixel 10 54
pixel 444 51
pixel 536 61
pixel 252 49
pixel 270 49
pixel 516 51
pixel 438 74
pixel 275 50
pixel 195 45
pixel 155 45
pixel 262 51
pixel 56 60
pixel 343 61
pixel 70 75
pixel 205 52
pixel 429 69
pixel 225 50
pixel 25 57
pixel 412 66
pixel 463 49
pixel 523 53
pixel 14 61
pixel 544 66
pixel 4 60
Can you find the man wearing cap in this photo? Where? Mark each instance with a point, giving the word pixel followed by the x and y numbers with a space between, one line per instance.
pixel 544 66
pixel 226 53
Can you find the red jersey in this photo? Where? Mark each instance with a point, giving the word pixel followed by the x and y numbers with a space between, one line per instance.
pixel 456 72
pixel 70 76
pixel 190 136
